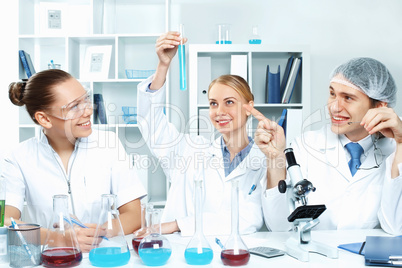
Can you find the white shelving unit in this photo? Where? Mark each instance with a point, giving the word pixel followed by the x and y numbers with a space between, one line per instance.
pixel 131 27
pixel 258 57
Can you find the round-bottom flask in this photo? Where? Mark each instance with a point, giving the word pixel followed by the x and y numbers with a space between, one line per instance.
pixel 145 229
pixel 236 252
pixel 155 249
pixel 109 248
pixel 61 248
pixel 198 251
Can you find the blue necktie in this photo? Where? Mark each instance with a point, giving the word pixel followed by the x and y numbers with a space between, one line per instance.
pixel 355 151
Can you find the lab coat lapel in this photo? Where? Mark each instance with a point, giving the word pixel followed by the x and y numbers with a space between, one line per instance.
pixel 215 155
pixel 335 154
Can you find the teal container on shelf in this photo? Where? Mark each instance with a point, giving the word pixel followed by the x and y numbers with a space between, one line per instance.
pixel 129 114
pixel 138 74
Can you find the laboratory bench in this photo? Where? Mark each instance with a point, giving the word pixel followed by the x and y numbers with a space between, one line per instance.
pixel 268 239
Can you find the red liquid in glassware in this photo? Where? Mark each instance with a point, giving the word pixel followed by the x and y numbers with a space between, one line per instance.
pixel 61 257
pixel 136 243
pixel 229 258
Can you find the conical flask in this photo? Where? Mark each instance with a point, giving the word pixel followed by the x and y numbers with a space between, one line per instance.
pixel 61 248
pixel 146 212
pixel 198 251
pixel 236 252
pixel 155 249
pixel 109 247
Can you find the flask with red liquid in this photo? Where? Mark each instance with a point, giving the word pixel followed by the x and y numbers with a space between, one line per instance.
pixel 235 252
pixel 145 229
pixel 61 248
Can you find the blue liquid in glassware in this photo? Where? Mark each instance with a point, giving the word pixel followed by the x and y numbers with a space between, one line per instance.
pixel 108 257
pixel 154 257
pixel 223 42
pixel 254 41
pixel 182 60
pixel 194 258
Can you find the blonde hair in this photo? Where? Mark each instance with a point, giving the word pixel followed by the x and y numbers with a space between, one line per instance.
pixel 237 83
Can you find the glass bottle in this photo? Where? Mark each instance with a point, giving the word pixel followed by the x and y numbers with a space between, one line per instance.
pixel 155 249
pixel 235 252
pixel 109 248
pixel 61 248
pixel 198 251
pixel 255 38
pixel 146 210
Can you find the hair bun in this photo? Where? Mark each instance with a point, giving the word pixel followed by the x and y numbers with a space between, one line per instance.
pixel 16 93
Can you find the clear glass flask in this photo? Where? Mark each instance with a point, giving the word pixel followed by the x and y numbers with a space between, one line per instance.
pixel 255 39
pixel 236 252
pixel 146 212
pixel 198 251
pixel 61 248
pixel 109 248
pixel 155 249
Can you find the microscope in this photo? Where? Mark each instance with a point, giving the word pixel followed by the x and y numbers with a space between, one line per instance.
pixel 303 217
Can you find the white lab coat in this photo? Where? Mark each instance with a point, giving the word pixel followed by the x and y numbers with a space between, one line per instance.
pixel 367 200
pixel 179 154
pixel 99 165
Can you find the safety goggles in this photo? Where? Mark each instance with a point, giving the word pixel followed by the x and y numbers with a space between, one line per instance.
pixel 74 109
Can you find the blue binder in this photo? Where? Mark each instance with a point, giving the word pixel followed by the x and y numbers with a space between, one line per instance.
pixel 99 109
pixel 383 251
pixel 27 63
pixel 273 93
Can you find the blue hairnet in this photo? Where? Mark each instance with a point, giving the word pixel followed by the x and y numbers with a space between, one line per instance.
pixel 369 76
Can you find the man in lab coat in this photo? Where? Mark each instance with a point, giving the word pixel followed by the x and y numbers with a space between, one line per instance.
pixel 355 163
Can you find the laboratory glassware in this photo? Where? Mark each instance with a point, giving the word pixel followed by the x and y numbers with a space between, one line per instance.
pixel 2 199
pixel 223 32
pixel 198 251
pixel 155 249
pixel 145 229
pixel 255 39
pixel 182 59
pixel 109 247
pixel 61 248
pixel 236 252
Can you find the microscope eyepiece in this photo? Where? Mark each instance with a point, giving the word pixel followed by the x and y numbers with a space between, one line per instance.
pixel 290 157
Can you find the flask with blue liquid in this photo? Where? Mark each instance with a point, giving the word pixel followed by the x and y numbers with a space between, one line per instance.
pixel 113 250
pixel 155 249
pixel 198 251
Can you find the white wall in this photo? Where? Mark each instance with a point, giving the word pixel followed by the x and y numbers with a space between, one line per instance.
pixel 8 73
pixel 335 31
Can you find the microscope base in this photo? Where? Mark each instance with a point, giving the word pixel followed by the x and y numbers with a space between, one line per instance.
pixel 301 251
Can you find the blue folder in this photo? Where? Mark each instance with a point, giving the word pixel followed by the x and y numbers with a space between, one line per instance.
pixel 383 251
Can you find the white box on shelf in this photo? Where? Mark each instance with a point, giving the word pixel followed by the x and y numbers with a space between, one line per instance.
pixel 204 79
pixel 96 62
pixel 238 65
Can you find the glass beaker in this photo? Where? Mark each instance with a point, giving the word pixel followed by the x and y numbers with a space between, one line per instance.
pixel 145 230
pixel 155 249
pixel 255 39
pixel 109 248
pixel 198 251
pixel 236 252
pixel 223 34
pixel 61 248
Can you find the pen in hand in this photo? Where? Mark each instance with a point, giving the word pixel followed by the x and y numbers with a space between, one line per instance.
pixel 24 243
pixel 74 221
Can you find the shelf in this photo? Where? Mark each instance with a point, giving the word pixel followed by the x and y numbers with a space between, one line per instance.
pixel 264 105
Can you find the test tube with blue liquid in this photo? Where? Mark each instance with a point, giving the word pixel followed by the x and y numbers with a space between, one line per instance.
pixel 182 59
